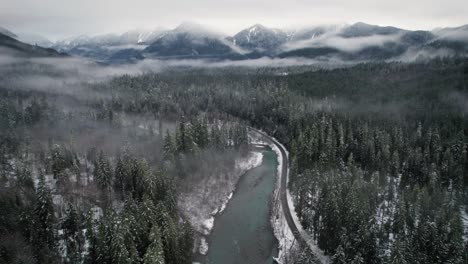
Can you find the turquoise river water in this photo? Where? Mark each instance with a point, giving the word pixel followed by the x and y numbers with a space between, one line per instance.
pixel 243 232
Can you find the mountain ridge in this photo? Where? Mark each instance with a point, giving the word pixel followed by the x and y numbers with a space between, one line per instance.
pixel 349 42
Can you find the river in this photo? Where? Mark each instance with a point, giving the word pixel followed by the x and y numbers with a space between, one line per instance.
pixel 243 232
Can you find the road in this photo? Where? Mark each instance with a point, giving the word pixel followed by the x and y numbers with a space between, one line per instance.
pixel 301 237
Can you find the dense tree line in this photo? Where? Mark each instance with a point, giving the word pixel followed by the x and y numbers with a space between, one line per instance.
pixel 379 151
pixel 378 161
pixel 63 206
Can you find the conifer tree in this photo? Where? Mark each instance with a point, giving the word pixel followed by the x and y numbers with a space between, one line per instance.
pixel 155 253
pixel 43 232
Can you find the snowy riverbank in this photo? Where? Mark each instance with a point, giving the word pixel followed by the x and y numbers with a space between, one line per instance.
pixel 286 240
pixel 283 233
pixel 210 196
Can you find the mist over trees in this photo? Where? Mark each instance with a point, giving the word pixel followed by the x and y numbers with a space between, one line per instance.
pixel 379 163
pixel 85 181
pixel 379 151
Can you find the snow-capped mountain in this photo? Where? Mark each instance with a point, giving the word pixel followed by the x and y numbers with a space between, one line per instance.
pixel 359 41
pixel 12 46
pixel 306 33
pixel 7 32
pixel 260 38
pixel 361 29
pixel 35 39
pixel 190 40
pixel 124 47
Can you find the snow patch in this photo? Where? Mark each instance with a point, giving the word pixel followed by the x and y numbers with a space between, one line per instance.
pixel 464 217
pixel 210 196
pixel 203 249
pixel 255 160
pixel 208 225
pixel 281 229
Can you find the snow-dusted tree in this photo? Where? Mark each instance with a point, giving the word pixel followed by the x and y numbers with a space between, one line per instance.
pixel 339 257
pixel 169 148
pixel 44 231
pixel 72 235
pixel 397 253
pixel 200 133
pixel 119 250
pixel 185 243
pixel 183 138
pixel 358 259
pixel 120 174
pixel 154 253
pixel 103 172
pixel 91 238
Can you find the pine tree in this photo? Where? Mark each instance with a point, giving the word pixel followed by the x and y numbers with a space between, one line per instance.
pixel 358 259
pixel 105 239
pixel 185 243
pixel 119 250
pixel 120 174
pixel 339 257
pixel 397 254
pixel 155 253
pixel 200 133
pixel 43 233
pixel 72 233
pixel 91 238
pixel 169 148
pixel 184 141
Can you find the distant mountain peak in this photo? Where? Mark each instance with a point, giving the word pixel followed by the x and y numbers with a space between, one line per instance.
pixel 192 27
pixel 7 32
pixel 260 38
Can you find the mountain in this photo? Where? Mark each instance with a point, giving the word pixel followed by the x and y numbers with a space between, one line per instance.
pixel 110 48
pixel 364 42
pixel 260 38
pixel 311 32
pixel 35 39
pixel 355 42
pixel 452 39
pixel 7 32
pixel 418 37
pixel 361 29
pixel 190 41
pixel 17 48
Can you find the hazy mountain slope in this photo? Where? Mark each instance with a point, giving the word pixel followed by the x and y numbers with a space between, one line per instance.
pixel 189 40
pixel 260 38
pixel 7 32
pixel 18 48
pixel 356 42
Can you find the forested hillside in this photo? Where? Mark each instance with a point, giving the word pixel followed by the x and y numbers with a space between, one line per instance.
pixel 84 179
pixel 379 151
pixel 379 163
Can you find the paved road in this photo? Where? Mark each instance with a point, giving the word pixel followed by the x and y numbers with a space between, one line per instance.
pixel 283 188
pixel 301 237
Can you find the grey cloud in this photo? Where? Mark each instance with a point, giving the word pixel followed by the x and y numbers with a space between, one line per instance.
pixel 58 18
pixel 344 44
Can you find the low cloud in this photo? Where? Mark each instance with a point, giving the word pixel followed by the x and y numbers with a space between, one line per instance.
pixel 74 76
pixel 428 53
pixel 343 44
pixel 456 34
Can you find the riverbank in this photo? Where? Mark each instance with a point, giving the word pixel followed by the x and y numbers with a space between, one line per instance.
pixel 285 222
pixel 243 232
pixel 209 196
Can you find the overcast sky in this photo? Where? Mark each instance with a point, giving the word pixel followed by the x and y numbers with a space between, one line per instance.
pixel 63 18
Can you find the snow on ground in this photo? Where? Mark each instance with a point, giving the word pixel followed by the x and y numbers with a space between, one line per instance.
pixel 254 160
pixel 464 217
pixel 208 225
pixel 281 229
pixel 210 196
pixel 203 246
